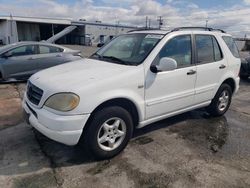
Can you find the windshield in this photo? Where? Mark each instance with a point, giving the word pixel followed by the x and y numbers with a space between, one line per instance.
pixel 129 49
pixel 6 47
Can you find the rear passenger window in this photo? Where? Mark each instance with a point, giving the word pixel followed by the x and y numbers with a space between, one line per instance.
pixel 49 49
pixel 217 51
pixel 231 45
pixel 208 49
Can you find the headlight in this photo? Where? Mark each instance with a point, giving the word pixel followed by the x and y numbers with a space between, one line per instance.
pixel 63 101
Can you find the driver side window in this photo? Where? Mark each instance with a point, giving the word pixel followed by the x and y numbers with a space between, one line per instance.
pixel 22 51
pixel 178 48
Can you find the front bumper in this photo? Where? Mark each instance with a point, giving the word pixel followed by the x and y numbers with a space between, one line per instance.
pixel 63 129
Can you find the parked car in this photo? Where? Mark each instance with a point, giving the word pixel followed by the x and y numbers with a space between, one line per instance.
pixel 138 78
pixel 244 47
pixel 21 60
pixel 245 68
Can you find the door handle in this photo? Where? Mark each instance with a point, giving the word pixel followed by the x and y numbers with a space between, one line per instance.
pixel 222 66
pixel 191 72
pixel 31 58
pixel 59 55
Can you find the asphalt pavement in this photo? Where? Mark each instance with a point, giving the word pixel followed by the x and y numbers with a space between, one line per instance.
pixel 188 150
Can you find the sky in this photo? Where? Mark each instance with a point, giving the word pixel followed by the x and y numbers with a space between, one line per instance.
pixel 230 15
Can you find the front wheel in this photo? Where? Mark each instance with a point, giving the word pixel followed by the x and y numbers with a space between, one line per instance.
pixel 221 101
pixel 109 132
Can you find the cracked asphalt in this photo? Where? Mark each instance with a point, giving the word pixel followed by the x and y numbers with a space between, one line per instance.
pixel 189 150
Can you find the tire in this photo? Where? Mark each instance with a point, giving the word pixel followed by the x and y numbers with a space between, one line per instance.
pixel 221 102
pixel 105 141
pixel 1 77
pixel 244 77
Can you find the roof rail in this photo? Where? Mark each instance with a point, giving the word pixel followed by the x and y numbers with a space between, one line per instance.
pixel 201 28
pixel 143 29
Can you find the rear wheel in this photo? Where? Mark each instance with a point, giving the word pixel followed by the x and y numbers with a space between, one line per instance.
pixel 109 132
pixel 221 101
pixel 244 77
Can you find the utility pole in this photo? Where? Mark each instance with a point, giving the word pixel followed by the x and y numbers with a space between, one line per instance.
pixel 116 28
pixel 206 23
pixel 11 25
pixel 146 22
pixel 53 32
pixel 160 20
pixel 149 23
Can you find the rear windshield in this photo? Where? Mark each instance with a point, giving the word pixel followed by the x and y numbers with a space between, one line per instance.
pixel 232 46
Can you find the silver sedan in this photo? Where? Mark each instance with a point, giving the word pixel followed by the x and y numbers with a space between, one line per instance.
pixel 20 60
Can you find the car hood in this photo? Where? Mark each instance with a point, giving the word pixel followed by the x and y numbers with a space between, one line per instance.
pixel 69 76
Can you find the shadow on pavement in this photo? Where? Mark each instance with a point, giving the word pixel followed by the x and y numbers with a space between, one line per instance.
pixel 215 129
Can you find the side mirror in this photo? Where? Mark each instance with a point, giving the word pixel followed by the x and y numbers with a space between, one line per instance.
pixel 6 55
pixel 165 64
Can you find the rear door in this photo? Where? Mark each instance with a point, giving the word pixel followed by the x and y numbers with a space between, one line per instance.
pixel 21 62
pixel 211 66
pixel 50 56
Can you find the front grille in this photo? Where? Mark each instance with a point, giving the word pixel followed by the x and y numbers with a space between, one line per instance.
pixel 34 94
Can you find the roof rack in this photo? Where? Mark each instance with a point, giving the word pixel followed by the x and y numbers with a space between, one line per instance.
pixel 201 28
pixel 178 29
pixel 142 29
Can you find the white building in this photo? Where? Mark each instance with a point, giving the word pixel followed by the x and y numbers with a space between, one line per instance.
pixel 14 29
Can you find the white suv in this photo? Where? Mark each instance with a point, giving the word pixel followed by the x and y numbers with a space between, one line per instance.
pixel 136 79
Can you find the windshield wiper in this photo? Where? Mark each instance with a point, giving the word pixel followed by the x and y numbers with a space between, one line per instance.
pixel 112 58
pixel 116 59
pixel 96 54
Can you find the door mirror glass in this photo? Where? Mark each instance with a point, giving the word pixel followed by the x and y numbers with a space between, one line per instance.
pixel 165 64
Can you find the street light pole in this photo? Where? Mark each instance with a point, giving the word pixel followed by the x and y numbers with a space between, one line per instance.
pixel 206 23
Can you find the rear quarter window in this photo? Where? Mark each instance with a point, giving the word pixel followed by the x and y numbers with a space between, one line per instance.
pixel 231 45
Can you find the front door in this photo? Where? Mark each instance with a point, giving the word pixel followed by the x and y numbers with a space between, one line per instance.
pixel 21 62
pixel 170 91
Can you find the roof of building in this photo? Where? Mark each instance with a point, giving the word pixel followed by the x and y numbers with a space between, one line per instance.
pixel 37 19
pixel 63 21
pixel 102 24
